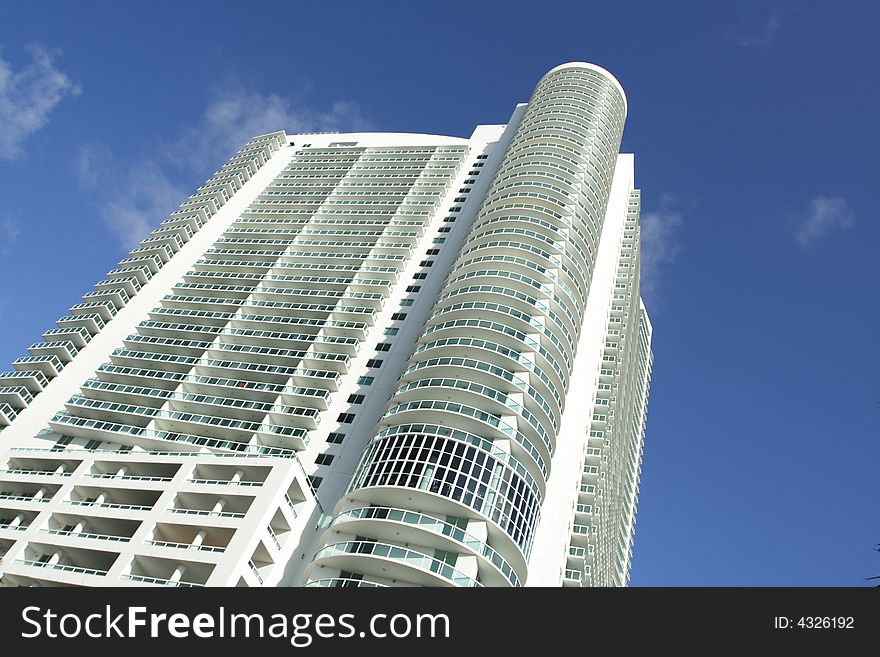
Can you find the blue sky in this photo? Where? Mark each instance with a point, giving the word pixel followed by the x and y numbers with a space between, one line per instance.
pixel 755 131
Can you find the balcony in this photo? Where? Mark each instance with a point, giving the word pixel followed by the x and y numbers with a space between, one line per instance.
pixel 64 350
pixel 98 499
pixel 391 524
pixel 342 582
pixel 93 322
pixel 15 396
pixel 158 571
pixel 67 560
pixel 7 414
pixel 80 530
pixel 206 474
pixel 13 521
pixel 391 561
pixel 77 335
pixel 33 381
pixel 49 366
pixel 192 538
pixel 211 505
pixel 21 466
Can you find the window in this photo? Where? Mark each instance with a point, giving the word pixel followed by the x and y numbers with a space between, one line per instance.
pixel 407 302
pixel 433 251
pixel 446 557
pixel 426 263
pixel 482 157
pixel 398 316
pixel 471 181
pixel 383 346
pixel 445 229
pixel 389 331
pixel 464 190
pixel 93 444
pixel 324 459
pixel 438 240
pixel 413 288
pixel 345 418
pixel 455 208
pixel 61 442
pixel 420 276
pixel 314 481
pixel 335 438
pixel 365 381
pixel 356 399
pixel 461 199
pixel 449 219
pixel 374 362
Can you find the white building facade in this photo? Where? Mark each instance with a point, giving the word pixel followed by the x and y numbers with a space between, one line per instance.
pixel 359 359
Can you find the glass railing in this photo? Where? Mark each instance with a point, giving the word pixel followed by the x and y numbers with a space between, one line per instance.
pixel 100 537
pixel 224 482
pixel 110 505
pixel 438 526
pixel 400 555
pixel 35 473
pixel 185 546
pixel 255 571
pixel 290 504
pixel 58 566
pixel 24 498
pixel 274 537
pixel 160 581
pixel 12 528
pixel 105 475
pixel 342 582
pixel 204 512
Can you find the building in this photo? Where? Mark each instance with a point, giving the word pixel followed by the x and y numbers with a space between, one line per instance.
pixel 355 359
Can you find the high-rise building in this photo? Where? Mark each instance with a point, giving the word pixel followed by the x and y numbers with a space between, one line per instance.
pixel 358 359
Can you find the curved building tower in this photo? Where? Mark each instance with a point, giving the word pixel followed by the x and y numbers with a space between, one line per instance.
pixel 469 479
pixel 356 359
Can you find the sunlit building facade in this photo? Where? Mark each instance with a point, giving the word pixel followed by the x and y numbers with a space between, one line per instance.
pixel 353 359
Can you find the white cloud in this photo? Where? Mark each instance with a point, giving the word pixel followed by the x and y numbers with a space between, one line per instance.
pixel 134 198
pixel 765 35
pixel 137 196
pixel 235 116
pixel 10 228
pixel 825 216
pixel 659 245
pixel 28 96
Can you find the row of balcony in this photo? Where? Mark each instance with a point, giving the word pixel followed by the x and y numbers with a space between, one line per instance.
pixel 61 345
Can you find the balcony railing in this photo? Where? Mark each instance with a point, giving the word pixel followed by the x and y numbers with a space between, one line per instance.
pixel 58 566
pixel 160 581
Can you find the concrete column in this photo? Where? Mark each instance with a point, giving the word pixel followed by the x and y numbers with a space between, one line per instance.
pixel 199 539
pixel 177 574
